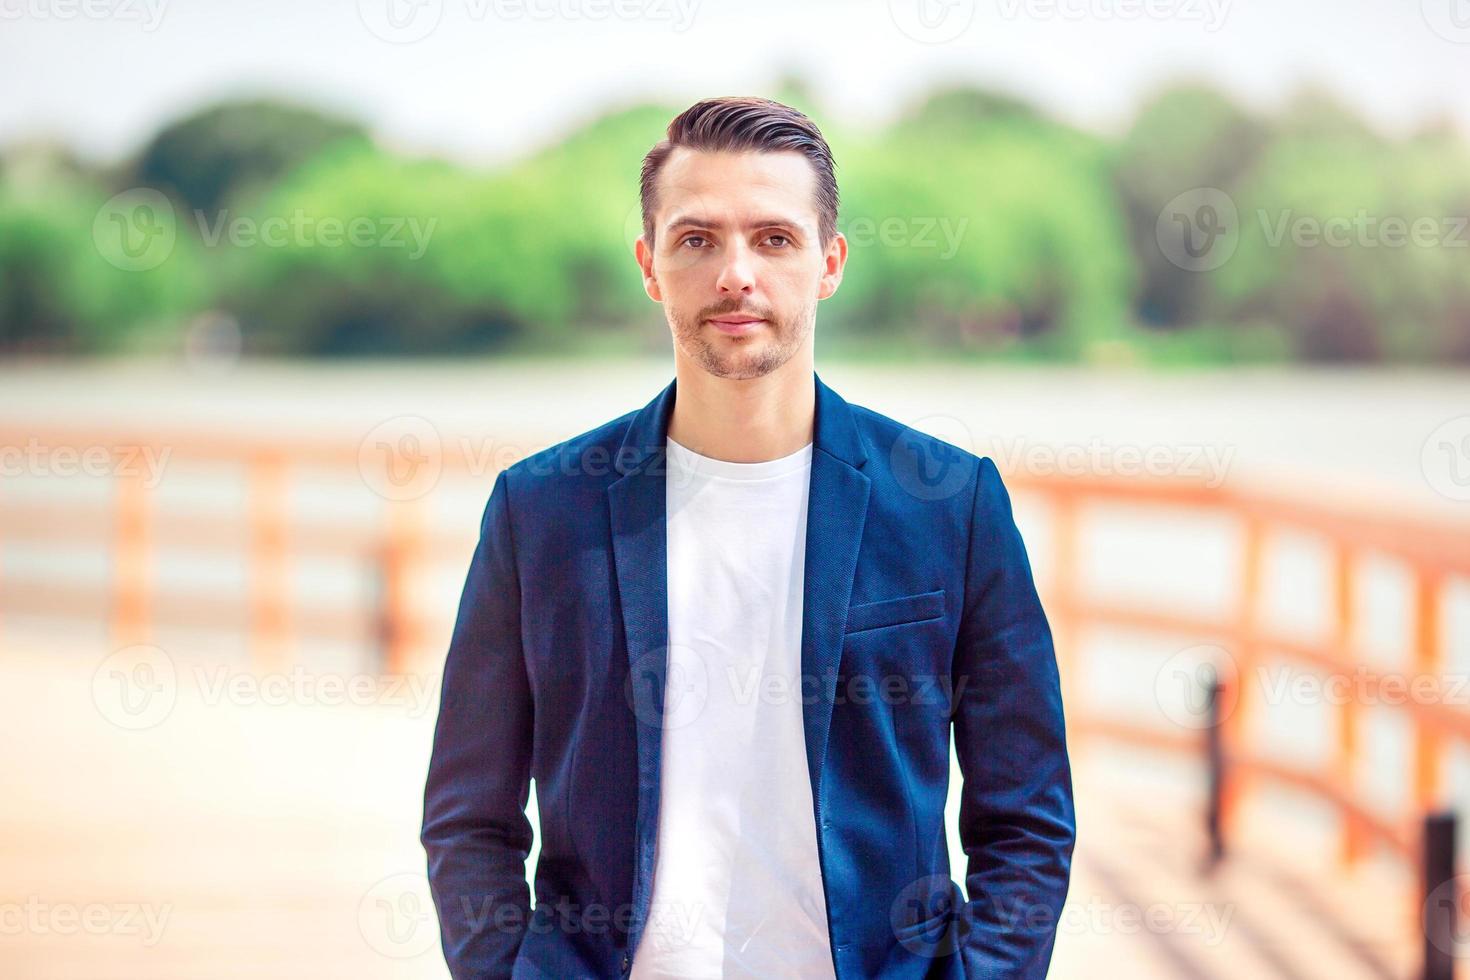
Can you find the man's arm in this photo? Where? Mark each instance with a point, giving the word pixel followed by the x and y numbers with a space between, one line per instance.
pixel 1017 824
pixel 475 829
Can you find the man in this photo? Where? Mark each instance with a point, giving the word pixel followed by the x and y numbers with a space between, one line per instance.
pixel 728 634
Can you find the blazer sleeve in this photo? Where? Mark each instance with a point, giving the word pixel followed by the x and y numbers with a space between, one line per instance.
pixel 1016 822
pixel 475 832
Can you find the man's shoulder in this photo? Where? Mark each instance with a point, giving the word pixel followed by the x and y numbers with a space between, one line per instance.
pixel 589 459
pixel 937 437
pixel 590 455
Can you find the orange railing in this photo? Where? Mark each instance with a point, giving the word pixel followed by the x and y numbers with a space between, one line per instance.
pixel 1431 553
pixel 400 540
pixel 391 547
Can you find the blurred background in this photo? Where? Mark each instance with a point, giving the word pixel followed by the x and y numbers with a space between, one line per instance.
pixel 284 286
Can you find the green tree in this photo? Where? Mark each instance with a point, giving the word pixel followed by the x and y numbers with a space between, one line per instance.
pixel 1356 245
pixel 974 222
pixel 61 289
pixel 209 156
pixel 1188 136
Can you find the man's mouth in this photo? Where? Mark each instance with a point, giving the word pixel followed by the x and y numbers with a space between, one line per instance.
pixel 736 323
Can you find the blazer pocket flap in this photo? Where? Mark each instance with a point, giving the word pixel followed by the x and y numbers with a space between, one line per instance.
pixel 896 611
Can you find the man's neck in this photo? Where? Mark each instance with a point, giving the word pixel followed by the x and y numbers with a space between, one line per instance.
pixel 746 421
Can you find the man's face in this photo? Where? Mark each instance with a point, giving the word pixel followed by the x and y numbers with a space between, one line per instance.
pixel 736 259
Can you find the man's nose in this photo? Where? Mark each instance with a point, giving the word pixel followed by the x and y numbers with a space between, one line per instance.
pixel 737 274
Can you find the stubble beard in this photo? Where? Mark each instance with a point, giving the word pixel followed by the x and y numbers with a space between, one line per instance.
pixel 741 359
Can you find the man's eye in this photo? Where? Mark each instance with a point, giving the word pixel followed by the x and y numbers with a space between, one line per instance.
pixel 692 238
pixel 784 240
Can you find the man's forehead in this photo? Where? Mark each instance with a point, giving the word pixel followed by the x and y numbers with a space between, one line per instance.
pixel 737 186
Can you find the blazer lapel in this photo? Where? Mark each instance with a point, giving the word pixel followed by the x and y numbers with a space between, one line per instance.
pixel 637 509
pixel 836 511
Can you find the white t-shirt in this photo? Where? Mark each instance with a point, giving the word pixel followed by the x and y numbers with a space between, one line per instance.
pixel 737 886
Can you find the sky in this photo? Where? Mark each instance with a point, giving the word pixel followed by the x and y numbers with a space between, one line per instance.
pixel 485 80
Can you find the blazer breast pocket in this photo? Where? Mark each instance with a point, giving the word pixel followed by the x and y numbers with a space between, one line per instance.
pixel 898 611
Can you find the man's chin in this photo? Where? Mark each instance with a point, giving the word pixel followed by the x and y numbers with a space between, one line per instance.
pixel 744 364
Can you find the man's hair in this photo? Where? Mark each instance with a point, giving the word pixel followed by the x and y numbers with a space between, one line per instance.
pixel 740 124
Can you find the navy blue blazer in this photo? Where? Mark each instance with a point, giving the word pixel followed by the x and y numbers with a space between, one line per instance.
pixel 920 612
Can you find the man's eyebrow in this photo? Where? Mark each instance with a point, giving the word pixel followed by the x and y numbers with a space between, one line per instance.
pixel 695 221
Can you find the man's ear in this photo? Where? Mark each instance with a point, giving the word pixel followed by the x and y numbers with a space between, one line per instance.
pixel 645 264
pixel 833 262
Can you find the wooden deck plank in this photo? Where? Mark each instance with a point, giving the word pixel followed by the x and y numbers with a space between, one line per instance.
pixel 280 840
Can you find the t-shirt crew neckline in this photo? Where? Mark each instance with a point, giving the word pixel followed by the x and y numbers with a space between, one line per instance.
pixel 687 460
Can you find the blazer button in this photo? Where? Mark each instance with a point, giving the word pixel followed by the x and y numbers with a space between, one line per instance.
pixel 626 962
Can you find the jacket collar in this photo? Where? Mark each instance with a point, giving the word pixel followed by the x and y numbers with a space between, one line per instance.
pixel 836 433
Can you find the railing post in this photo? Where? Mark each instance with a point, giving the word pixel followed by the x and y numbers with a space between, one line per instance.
pixel 1353 844
pixel 269 601
pixel 130 612
pixel 397 637
pixel 1215 764
pixel 1428 747
pixel 1235 727
pixel 1440 904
